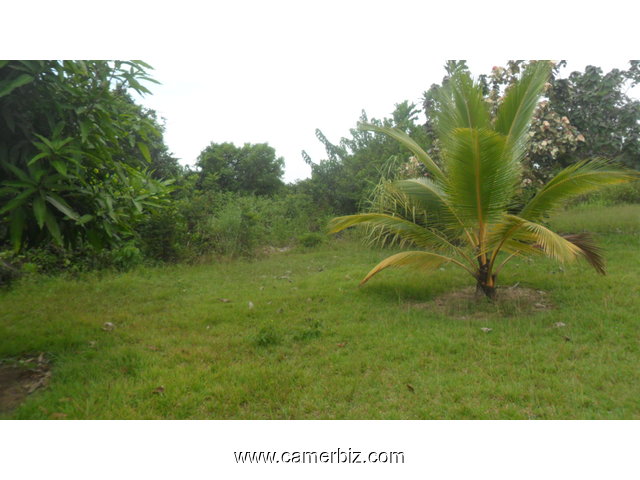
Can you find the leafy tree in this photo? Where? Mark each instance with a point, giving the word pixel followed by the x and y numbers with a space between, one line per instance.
pixel 598 106
pixel 252 168
pixel 460 213
pixel 354 166
pixel 553 138
pixel 74 152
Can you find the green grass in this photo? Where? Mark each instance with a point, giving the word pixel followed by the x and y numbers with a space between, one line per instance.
pixel 314 345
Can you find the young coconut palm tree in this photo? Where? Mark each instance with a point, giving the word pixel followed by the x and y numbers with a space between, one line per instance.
pixel 463 212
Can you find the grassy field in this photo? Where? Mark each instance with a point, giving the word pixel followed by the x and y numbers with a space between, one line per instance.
pixel 292 336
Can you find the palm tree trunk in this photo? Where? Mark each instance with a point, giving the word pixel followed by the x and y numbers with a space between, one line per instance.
pixel 486 282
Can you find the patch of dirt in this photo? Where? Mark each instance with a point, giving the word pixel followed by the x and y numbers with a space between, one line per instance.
pixel 21 378
pixel 509 302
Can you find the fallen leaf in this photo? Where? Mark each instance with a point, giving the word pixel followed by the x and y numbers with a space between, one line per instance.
pixel 108 326
pixel 566 339
pixel 224 300
pixel 159 390
pixel 92 344
pixel 410 388
pixel 250 305
pixel 342 344
pixel 486 329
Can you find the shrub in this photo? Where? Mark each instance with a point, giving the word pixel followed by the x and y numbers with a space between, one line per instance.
pixel 161 235
pixel 126 257
pixel 311 239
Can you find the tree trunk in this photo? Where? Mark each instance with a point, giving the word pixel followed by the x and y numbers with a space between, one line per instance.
pixel 486 283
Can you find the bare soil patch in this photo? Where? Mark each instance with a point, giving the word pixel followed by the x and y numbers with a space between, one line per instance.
pixel 20 378
pixel 509 302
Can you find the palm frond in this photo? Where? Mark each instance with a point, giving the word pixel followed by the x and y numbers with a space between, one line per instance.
pixel 462 105
pixel 427 195
pixel 591 252
pixel 420 260
pixel 410 144
pixel 481 184
pixel 522 237
pixel 406 230
pixel 516 110
pixel 579 178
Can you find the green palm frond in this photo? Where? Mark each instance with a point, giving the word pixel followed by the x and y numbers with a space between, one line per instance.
pixel 481 181
pixel 515 112
pixel 576 179
pixel 420 260
pixel 406 230
pixel 462 105
pixel 519 236
pixel 428 196
pixel 410 144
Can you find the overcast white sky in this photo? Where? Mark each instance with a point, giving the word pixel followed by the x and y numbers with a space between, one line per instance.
pixel 282 100
pixel 274 71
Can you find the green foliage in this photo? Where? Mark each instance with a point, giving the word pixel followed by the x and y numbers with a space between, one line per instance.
pixel 206 223
pixel 552 141
pixel 161 234
pixel 311 239
pixel 75 153
pixel 599 107
pixel 127 256
pixel 353 167
pixel 461 213
pixel 250 169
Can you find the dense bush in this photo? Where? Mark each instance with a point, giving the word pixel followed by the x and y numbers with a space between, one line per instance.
pixel 52 259
pixel 227 224
pixel 311 239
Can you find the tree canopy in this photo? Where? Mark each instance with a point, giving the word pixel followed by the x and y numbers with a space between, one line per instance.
pixel 252 168
pixel 75 151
